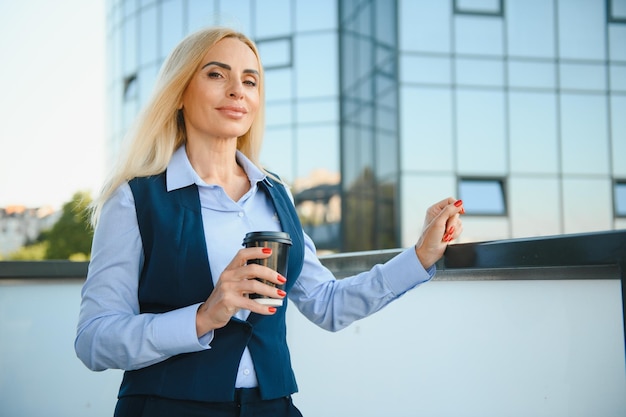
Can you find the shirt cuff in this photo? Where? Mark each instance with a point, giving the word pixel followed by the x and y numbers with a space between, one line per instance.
pixel 404 272
pixel 176 332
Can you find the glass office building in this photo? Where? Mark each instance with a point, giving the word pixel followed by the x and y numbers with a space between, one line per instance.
pixel 378 108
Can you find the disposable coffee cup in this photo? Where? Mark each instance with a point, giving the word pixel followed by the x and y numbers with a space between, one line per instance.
pixel 279 242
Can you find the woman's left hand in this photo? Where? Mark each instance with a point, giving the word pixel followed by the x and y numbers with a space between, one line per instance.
pixel 442 225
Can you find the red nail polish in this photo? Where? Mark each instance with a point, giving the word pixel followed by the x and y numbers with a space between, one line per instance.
pixel 281 278
pixel 458 203
pixel 281 293
pixel 450 230
pixel 462 210
pixel 271 309
pixel 267 250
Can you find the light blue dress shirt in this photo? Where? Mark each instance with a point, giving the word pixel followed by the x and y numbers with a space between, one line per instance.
pixel 113 334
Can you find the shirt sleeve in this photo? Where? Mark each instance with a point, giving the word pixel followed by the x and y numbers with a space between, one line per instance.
pixel 111 332
pixel 334 304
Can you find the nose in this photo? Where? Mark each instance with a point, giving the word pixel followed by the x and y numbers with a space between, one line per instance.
pixel 235 90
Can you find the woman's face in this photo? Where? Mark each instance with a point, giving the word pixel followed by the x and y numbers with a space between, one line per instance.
pixel 222 98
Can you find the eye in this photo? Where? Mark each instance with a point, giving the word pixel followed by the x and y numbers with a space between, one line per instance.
pixel 250 83
pixel 214 74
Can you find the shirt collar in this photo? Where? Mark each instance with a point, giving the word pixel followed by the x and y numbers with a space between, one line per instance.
pixel 181 174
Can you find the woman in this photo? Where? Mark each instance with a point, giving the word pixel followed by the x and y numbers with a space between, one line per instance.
pixel 166 297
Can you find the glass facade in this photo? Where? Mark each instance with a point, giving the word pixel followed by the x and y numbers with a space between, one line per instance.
pixel 376 109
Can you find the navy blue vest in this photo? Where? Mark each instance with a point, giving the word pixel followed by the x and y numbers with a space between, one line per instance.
pixel 176 273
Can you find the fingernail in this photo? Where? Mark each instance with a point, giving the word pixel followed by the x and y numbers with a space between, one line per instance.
pixel 281 293
pixel 447 238
pixel 271 309
pixel 267 250
pixel 458 203
pixel 281 278
pixel 450 230
pixel 462 210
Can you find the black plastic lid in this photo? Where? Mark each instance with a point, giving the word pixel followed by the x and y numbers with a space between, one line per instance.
pixel 281 237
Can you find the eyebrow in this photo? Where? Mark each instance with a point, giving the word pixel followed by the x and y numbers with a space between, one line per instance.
pixel 228 67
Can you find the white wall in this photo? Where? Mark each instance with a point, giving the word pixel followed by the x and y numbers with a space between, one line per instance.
pixel 449 348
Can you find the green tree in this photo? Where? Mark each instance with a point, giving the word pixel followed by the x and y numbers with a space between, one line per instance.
pixel 71 235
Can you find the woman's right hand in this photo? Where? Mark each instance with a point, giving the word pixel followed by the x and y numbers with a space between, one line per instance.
pixel 231 291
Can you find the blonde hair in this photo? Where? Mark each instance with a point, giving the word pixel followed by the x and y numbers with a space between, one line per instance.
pixel 160 129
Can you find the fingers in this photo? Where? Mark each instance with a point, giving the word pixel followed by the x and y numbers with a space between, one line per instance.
pixel 444 226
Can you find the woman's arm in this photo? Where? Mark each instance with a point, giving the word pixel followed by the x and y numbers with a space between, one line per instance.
pixel 111 332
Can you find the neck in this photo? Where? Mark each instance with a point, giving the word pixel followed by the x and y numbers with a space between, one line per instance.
pixel 215 162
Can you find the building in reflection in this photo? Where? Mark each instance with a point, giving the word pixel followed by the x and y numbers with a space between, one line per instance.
pixel 377 108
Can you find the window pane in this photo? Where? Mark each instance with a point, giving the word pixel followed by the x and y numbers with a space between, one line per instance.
pixel 277 154
pixel 279 114
pixel 530 28
pixel 200 13
pixel 527 74
pixel 584 134
pixel 237 14
pixel 581 29
pixel 129 63
pixel 620 199
pixel 273 18
pixel 617 42
pixel 583 76
pixel 318 148
pixel 171 26
pixel 424 25
pixel 423 69
pixel 316 64
pixel 480 131
pixel 478 35
pixel 482 196
pixel 316 15
pixel 478 6
pixel 426 117
pixel 278 84
pixel 275 53
pixel 479 72
pixel 618 9
pixel 533 133
pixel 148 36
pixel 315 111
pixel 618 135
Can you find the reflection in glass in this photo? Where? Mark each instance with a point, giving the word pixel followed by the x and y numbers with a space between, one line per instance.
pixel 479 6
pixel 278 84
pixel 479 72
pixel 426 130
pixel 199 14
pixel 533 132
pixel 584 140
pixel 483 196
pixel 275 53
pixel 316 65
pixel 618 77
pixel 271 21
pixel 425 69
pixel 424 26
pixel 316 15
pixel 147 36
pixel 478 35
pixel 171 29
pixel 481 144
pixel 530 28
pixel 617 42
pixel 531 74
pixel 620 198
pixel 581 30
pixel 589 76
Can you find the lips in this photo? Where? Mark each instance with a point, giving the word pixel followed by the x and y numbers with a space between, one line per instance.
pixel 233 111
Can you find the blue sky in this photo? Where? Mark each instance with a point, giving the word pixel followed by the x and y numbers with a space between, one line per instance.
pixel 52 88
